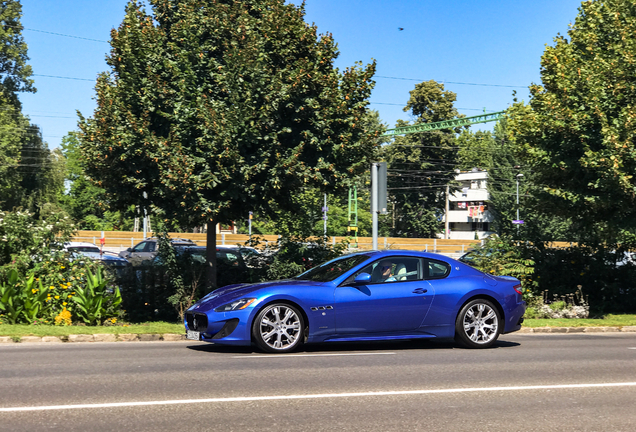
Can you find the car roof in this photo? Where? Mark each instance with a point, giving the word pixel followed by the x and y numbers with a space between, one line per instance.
pixel 77 244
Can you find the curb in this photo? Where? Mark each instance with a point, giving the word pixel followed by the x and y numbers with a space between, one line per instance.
pixel 82 338
pixel 624 329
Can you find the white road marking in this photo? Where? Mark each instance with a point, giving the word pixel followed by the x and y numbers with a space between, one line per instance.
pixel 309 355
pixel 315 396
pixel 631 348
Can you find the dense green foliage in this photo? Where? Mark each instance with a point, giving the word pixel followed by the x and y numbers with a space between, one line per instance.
pixel 577 132
pixel 212 108
pixel 421 165
pixel 39 283
pixel 30 175
pixel 14 70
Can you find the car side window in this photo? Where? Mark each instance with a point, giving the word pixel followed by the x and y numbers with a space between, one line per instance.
pixel 392 269
pixel 140 247
pixel 437 269
pixel 151 247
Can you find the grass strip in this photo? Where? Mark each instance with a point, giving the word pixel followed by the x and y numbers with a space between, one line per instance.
pixel 159 327
pixel 606 321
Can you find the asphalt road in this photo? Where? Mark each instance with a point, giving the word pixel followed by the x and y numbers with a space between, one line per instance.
pixel 536 382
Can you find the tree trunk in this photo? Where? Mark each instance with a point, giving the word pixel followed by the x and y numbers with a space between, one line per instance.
pixel 211 256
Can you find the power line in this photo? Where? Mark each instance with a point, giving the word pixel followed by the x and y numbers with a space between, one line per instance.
pixel 62 77
pixel 397 104
pixel 451 82
pixel 56 34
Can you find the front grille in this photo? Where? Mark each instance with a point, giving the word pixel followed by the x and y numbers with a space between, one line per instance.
pixel 197 321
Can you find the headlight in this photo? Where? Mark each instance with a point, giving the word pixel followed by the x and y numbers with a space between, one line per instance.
pixel 235 305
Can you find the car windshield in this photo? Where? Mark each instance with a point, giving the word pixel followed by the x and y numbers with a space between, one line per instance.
pixel 332 269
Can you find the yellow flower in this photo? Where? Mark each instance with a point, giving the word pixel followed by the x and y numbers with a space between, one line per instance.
pixel 64 318
pixel 62 268
pixel 64 304
pixel 33 290
pixel 114 320
pixel 69 296
pixel 51 287
pixel 57 297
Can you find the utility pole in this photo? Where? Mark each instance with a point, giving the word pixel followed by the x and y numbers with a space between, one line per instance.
pixel 374 206
pixel 518 177
pixel 249 225
pixel 325 209
pixel 446 224
pixel 378 197
pixel 145 217
pixel 353 214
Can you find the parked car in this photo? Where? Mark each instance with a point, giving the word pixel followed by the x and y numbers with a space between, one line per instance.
pixel 253 257
pixel 231 267
pixel 89 250
pixel 146 250
pixel 376 295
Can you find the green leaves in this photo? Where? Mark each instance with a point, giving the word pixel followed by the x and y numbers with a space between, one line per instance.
pixel 420 165
pixel 214 107
pixel 96 301
pixel 577 134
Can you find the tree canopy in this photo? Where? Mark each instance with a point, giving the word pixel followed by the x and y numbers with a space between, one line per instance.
pixel 14 70
pixel 421 165
pixel 215 108
pixel 30 175
pixel 577 134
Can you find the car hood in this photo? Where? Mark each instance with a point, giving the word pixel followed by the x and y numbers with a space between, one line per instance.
pixel 233 292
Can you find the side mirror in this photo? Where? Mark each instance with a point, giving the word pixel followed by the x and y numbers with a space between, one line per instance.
pixel 362 278
pixel 129 249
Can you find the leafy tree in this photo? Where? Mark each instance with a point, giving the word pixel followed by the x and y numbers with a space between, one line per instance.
pixel 84 201
pixel 476 150
pixel 30 175
pixel 14 70
pixel 495 153
pixel 213 108
pixel 578 132
pixel 421 165
pixel 10 144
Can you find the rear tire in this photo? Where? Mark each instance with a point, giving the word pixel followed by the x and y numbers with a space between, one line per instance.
pixel 278 328
pixel 478 324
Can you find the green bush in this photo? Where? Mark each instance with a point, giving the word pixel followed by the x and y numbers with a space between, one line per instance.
pixel 38 281
pixel 95 301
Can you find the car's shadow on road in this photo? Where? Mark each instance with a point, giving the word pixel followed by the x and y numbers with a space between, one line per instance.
pixel 342 347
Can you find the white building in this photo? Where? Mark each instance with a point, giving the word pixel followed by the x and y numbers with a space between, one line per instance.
pixel 468 209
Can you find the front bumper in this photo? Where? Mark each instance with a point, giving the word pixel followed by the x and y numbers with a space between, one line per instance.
pixel 220 328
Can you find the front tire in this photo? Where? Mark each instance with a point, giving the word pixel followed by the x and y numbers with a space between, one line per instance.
pixel 478 324
pixel 278 328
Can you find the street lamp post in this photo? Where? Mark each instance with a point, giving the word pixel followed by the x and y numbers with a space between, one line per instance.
pixel 518 177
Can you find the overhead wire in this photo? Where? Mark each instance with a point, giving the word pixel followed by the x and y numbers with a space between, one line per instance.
pixel 451 82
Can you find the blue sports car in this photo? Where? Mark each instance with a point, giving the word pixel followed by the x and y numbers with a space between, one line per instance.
pixel 365 296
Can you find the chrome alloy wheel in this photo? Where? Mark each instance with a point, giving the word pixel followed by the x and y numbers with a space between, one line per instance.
pixel 279 328
pixel 481 323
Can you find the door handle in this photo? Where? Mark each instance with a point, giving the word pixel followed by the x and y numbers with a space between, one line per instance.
pixel 420 291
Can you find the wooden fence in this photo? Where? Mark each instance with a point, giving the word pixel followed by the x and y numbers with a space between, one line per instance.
pixel 126 239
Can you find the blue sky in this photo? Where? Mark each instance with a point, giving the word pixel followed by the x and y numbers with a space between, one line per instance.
pixel 458 42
